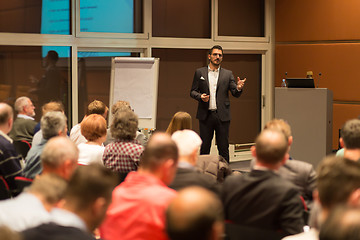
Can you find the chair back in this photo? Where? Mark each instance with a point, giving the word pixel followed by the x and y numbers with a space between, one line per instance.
pixel 22 147
pixel 22 182
pixel 4 189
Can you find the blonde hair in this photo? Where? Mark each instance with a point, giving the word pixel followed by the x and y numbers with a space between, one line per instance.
pixel 180 121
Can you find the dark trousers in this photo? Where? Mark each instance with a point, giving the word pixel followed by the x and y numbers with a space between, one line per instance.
pixel 207 127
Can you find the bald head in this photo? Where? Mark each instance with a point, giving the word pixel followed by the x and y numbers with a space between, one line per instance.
pixel 6 118
pixel 271 146
pixel 195 213
pixel 60 156
pixel 159 149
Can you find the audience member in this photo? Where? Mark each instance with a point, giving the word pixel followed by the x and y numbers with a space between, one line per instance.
pixel 342 224
pixel 180 121
pixel 93 128
pixel 195 214
pixel 95 107
pixel 86 200
pixel 23 128
pixel 139 203
pixel 301 174
pixel 262 199
pixel 338 183
pixel 10 166
pixel 31 208
pixel 52 124
pixel 60 157
pixel 124 106
pixel 48 107
pixel 350 139
pixel 188 143
pixel 123 155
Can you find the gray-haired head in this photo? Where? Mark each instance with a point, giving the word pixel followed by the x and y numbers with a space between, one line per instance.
pixel 187 141
pixel 53 124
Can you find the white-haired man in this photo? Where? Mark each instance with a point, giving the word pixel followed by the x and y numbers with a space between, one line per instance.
pixel 188 143
pixel 23 127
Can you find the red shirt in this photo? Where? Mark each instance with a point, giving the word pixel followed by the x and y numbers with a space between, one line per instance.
pixel 137 210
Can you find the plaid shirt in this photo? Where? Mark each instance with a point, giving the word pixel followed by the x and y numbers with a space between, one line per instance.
pixel 122 156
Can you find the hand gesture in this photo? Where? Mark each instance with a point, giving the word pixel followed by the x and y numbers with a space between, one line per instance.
pixel 205 97
pixel 240 83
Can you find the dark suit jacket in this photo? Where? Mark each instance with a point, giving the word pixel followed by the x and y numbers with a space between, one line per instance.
pixel 225 83
pixel 186 177
pixel 55 232
pixel 262 199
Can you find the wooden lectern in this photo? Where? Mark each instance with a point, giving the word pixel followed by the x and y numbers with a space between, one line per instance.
pixel 309 112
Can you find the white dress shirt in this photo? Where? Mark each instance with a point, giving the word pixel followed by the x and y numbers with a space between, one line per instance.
pixel 213 80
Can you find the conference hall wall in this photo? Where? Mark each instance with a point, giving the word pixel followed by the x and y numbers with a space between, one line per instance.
pixel 322 36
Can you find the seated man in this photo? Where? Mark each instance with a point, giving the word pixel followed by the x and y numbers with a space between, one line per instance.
pixel 301 174
pixel 139 203
pixel 32 207
pixel 60 157
pixel 23 128
pixel 9 159
pixel 338 184
pixel 195 214
pixel 95 107
pixel 85 202
pixel 350 139
pixel 262 199
pixel 52 124
pixel 189 143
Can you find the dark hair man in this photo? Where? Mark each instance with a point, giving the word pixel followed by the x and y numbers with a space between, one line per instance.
pixel 139 203
pixel 262 199
pixel 350 139
pixel 87 198
pixel 210 87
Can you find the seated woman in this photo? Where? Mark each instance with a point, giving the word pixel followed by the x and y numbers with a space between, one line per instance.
pixel 123 155
pixel 93 128
pixel 180 121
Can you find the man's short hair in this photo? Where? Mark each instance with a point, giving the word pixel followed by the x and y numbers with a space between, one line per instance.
pixel 52 107
pixel 89 183
pixel 57 150
pixel 93 127
pixel 6 112
pixel 187 141
pixel 124 125
pixel 96 107
pixel 159 149
pixel 120 106
pixel 337 179
pixel 216 47
pixel 280 125
pixel 192 214
pixel 343 223
pixel 350 133
pixel 51 123
pixel 50 187
pixel 20 103
pixel 271 146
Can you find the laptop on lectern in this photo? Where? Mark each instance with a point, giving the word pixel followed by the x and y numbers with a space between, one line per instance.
pixel 300 83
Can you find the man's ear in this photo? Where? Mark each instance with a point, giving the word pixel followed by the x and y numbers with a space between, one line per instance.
pixel 342 143
pixel 290 140
pixel 354 198
pixel 316 196
pixel 217 230
pixel 253 151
